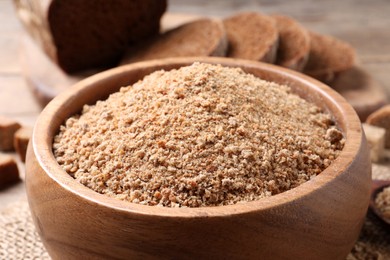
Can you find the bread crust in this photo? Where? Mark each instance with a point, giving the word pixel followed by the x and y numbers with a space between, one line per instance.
pixel 80 35
pixel 202 37
pixel 9 172
pixel 328 57
pixel 252 36
pixel 294 43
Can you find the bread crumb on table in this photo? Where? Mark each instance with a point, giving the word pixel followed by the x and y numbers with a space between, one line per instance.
pixel 202 135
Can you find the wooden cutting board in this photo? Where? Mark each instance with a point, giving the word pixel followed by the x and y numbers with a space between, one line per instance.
pixel 46 79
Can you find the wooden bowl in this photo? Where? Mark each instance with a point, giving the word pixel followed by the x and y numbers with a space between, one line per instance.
pixel 320 219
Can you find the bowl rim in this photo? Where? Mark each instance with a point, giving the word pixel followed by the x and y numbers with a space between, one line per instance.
pixel 41 144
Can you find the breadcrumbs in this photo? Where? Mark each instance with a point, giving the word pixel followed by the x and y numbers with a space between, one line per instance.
pixel 382 202
pixel 202 135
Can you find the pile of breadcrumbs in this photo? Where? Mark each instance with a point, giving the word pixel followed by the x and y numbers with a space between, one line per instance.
pixel 382 202
pixel 202 135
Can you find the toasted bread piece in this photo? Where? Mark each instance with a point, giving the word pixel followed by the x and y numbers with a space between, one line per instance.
pixel 202 37
pixel 376 141
pixel 381 171
pixel 361 90
pixel 9 172
pixel 328 57
pixel 80 35
pixel 294 43
pixel 252 36
pixel 8 127
pixel 381 118
pixel 21 139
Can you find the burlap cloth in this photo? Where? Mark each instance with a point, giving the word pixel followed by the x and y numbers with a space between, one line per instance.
pixel 19 240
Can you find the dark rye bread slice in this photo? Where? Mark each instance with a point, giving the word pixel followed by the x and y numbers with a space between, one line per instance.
pixel 86 34
pixel 252 36
pixel 202 37
pixel 328 57
pixel 294 43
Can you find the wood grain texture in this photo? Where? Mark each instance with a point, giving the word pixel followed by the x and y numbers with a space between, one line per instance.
pixel 321 219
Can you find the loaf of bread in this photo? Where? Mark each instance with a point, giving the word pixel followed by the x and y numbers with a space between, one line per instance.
pixel 294 43
pixel 84 34
pixel 203 37
pixel 328 57
pixel 252 36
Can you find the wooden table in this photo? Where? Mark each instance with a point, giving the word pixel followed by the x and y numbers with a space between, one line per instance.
pixel 364 24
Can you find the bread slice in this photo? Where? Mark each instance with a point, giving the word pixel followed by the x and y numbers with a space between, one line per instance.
pixel 294 43
pixel 252 36
pixel 381 118
pixel 86 34
pixel 328 56
pixel 361 90
pixel 202 37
